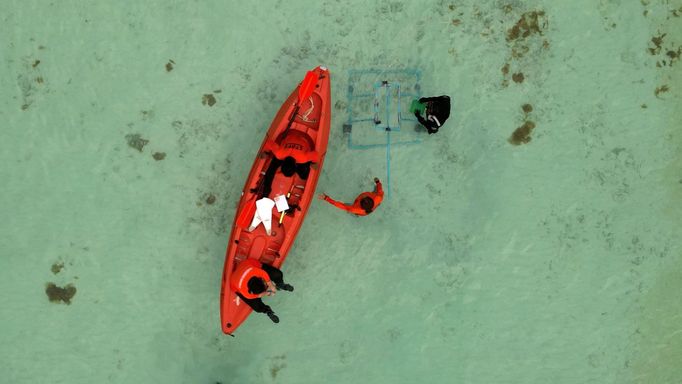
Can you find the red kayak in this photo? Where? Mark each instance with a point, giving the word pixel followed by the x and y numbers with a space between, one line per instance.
pixel 300 130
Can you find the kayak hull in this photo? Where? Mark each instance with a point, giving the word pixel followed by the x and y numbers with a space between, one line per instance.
pixel 307 131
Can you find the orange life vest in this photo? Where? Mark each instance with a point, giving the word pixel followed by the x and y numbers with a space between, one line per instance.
pixel 245 271
pixel 357 209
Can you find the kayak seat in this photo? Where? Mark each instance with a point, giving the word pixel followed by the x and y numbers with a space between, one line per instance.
pixel 271 252
pixel 243 246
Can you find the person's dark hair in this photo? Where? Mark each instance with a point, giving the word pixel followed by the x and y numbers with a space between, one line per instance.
pixel 256 285
pixel 289 166
pixel 367 203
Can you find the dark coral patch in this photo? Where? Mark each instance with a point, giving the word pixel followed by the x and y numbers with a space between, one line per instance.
pixel 60 294
pixel 208 99
pixel 522 134
pixel 136 141
pixel 528 24
pixel 57 267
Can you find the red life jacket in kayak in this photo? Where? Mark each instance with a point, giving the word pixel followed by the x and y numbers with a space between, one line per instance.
pixel 239 279
pixel 299 155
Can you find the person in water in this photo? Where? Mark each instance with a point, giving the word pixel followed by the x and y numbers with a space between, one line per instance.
pixel 289 167
pixel 253 280
pixel 436 111
pixel 364 204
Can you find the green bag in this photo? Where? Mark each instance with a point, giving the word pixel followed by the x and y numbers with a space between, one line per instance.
pixel 417 106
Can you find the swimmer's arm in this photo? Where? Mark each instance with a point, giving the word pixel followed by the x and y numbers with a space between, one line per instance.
pixel 379 190
pixel 335 203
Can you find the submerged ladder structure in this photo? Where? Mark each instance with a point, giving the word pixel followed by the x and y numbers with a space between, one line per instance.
pixel 376 99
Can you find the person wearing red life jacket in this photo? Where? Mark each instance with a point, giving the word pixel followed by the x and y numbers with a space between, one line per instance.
pixel 364 204
pixel 253 280
pixel 289 160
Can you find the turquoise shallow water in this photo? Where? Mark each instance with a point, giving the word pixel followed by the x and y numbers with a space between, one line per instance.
pixel 556 260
